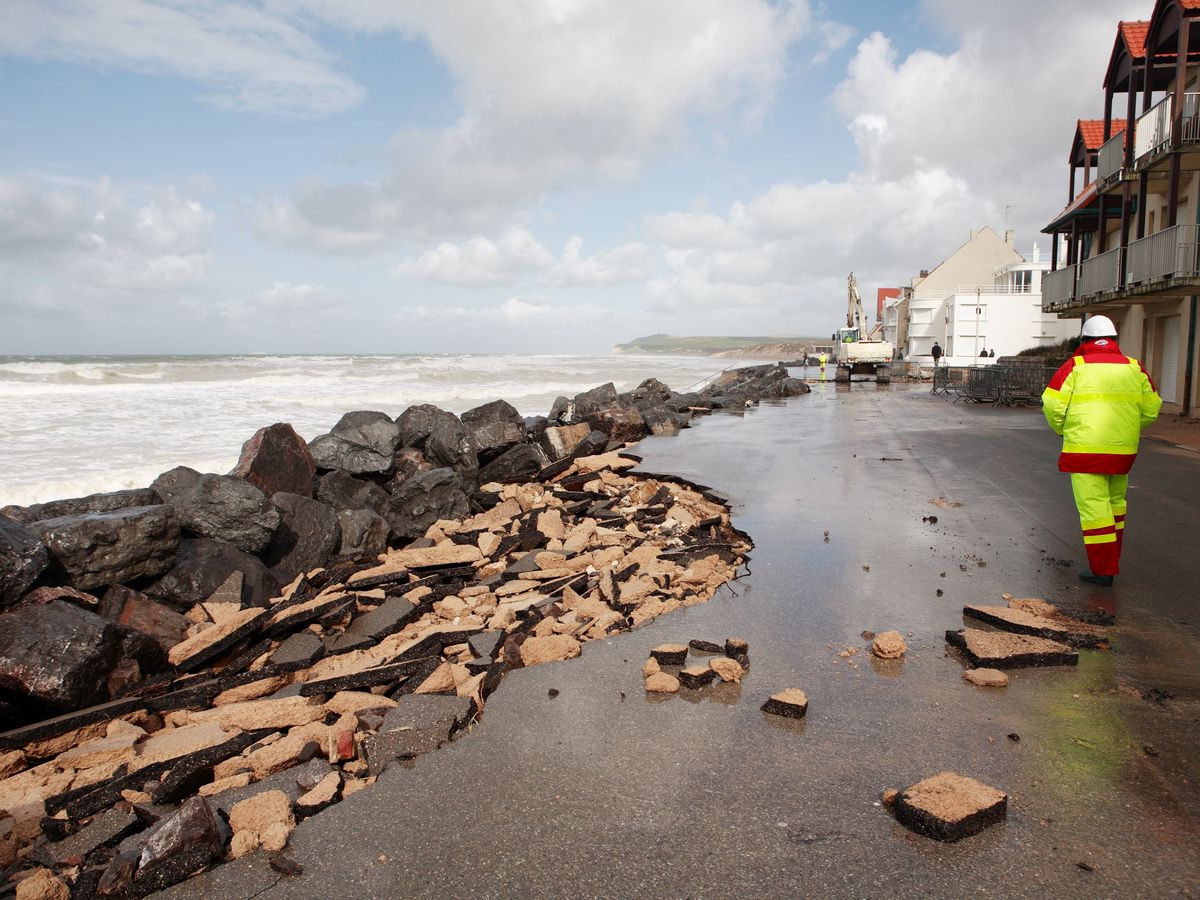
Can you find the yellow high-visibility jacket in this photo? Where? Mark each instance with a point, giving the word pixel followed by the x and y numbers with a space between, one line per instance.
pixel 1099 401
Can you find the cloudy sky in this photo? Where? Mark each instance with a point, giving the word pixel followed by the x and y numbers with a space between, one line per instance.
pixel 218 176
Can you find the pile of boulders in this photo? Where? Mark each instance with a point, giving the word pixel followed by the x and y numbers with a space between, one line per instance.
pixel 263 714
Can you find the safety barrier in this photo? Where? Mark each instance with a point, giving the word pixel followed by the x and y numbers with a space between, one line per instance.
pixel 1002 385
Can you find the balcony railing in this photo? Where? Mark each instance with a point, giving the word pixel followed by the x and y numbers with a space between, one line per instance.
pixel 1170 253
pixel 1112 157
pixel 1058 286
pixel 1100 274
pixel 1153 132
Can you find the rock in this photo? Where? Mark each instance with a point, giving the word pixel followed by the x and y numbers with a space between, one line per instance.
pixel 727 669
pixel 307 536
pixel 369 627
pixel 664 422
pixel 705 646
pixel 417 724
pixel 364 532
pixel 252 690
pixel 221 507
pixel 949 807
pixel 203 565
pixel 696 676
pixel 1018 620
pixel 362 441
pixel 670 654
pixel 662 683
pixel 104 831
pixel 49 593
pixel 192 653
pixel 133 609
pixel 276 459
pixel 602 397
pixel 593 444
pixel 621 425
pixel 57 654
pixel 516 464
pixel 80 506
pixel 986 677
pixel 266 817
pixel 42 885
pixel 98 549
pixel 178 845
pixel 560 441
pixel 441 437
pixel 551 648
pixel 493 427
pixel 650 667
pixel 888 797
pixel 423 499
pixel 285 865
pixel 297 652
pixel 889 645
pixel 650 392
pixel 409 462
pixel 323 794
pixel 735 647
pixel 1000 650
pixel 792 703
pixel 341 490
pixel 535 427
pixel 23 558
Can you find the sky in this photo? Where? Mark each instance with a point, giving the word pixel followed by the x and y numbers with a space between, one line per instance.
pixel 401 176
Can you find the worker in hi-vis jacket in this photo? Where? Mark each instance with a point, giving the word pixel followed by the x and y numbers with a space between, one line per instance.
pixel 1099 401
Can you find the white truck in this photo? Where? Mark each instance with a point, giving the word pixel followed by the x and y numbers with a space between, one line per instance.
pixel 856 353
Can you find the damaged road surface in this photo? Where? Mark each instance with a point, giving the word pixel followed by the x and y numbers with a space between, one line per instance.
pixel 603 790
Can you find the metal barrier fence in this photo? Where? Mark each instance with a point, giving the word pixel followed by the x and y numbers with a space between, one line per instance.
pixel 1002 385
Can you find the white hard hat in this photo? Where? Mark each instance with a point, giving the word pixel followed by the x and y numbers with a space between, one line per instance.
pixel 1098 327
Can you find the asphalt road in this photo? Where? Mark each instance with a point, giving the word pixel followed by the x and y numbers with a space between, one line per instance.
pixel 605 792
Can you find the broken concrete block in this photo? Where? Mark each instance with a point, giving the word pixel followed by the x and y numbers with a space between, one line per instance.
pixel 670 654
pixel 252 690
pixel 651 667
pixel 199 649
pixel 986 677
pixel 696 676
pixel 662 683
pixel 889 645
pixel 1000 650
pixel 705 646
pixel 792 703
pixel 727 669
pixel 949 807
pixel 42 885
pixel 323 794
pixel 265 819
pixel 417 724
pixel 274 712
pixel 1024 621
pixel 551 648
pixel 353 702
pixel 178 845
pixel 297 652
pixel 104 831
pixel 735 647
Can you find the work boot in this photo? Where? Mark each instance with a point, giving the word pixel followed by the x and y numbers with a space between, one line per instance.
pixel 1102 580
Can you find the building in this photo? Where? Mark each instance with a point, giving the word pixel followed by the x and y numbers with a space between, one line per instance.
pixel 1132 232
pixel 985 295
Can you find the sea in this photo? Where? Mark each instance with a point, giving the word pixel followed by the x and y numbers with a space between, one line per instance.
pixel 76 425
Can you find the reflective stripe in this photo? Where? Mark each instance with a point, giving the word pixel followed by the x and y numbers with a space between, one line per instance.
pixel 1106 449
pixel 1100 538
pixel 1120 526
pixel 1106 396
pixel 1106 522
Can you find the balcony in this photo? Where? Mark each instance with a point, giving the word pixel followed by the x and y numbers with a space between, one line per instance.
pixel 1153 130
pixel 1100 274
pixel 1112 158
pixel 1058 288
pixel 1167 254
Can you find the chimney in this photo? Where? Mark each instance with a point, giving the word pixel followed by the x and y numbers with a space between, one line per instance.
pixel 1008 237
pixel 924 273
pixel 1036 256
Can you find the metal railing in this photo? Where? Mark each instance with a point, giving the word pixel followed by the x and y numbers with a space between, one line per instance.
pixel 1101 273
pixel 1112 157
pixel 1003 385
pixel 1058 286
pixel 1171 252
pixel 1153 130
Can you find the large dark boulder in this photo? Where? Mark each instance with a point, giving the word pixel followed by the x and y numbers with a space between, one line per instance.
pixel 308 534
pixel 179 844
pixel 493 428
pixel 202 565
pixel 560 441
pixel 133 609
pixel 661 420
pixel 518 463
pixel 277 459
pixel 535 427
pixel 620 424
pixel 57 654
pixel 220 507
pixel 364 532
pixel 785 387
pixel 560 409
pixel 684 402
pixel 99 549
pixel 78 506
pixel 603 397
pixel 650 392
pixel 341 490
pixel 593 442
pixel 362 441
pixel 440 435
pixel 421 500
pixel 23 558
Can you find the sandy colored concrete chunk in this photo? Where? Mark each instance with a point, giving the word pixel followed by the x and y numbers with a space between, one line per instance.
pixel 949 806
pixel 42 885
pixel 322 794
pixel 889 645
pixel 420 558
pixel 1037 618
pixel 727 669
pixel 670 654
pixel 252 691
pixel 353 701
pixel 986 677
pixel 1000 650
pixel 267 820
pixel 239 780
pixel 214 634
pixel 791 702
pixel 662 683
pixel 551 648
pixel 173 743
pixel 281 712
pixel 441 681
pixel 651 667
pixel 696 676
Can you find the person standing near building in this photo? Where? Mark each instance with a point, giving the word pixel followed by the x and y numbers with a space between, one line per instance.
pixel 1099 401
pixel 936 352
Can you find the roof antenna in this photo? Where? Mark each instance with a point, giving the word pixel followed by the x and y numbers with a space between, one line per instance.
pixel 1008 207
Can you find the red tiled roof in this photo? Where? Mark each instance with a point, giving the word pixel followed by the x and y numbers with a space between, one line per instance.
pixel 1135 37
pixel 1092 131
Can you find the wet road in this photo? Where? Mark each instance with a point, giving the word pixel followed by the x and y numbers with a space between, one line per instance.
pixel 603 792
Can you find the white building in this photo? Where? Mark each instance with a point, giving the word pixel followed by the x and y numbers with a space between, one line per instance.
pixel 984 296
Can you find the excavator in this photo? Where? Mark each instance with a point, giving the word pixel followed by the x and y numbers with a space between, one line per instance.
pixel 856 353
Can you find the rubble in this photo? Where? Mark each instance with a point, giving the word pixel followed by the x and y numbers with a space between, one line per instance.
pixel 670 654
pixel 662 683
pixel 790 702
pixel 889 645
pixel 696 676
pixel 1000 650
pixel 949 807
pixel 727 669
pixel 986 677
pixel 1039 619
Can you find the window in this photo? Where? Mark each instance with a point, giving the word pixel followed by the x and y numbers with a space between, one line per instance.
pixel 1022 281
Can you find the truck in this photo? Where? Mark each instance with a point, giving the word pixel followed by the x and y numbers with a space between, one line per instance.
pixel 857 352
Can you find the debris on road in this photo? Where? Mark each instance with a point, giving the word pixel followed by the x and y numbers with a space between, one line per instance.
pixel 670 654
pixel 1000 650
pixel 1039 619
pixel 889 645
pixel 727 669
pixel 949 807
pixel 986 677
pixel 791 703
pixel 662 683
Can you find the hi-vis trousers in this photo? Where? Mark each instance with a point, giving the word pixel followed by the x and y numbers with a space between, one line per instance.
pixel 1100 500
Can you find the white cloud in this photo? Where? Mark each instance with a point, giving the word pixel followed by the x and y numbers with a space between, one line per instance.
pixel 514 310
pixel 246 57
pixel 627 263
pixel 479 262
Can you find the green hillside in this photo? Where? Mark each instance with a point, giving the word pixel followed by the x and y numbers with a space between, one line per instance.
pixel 669 344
